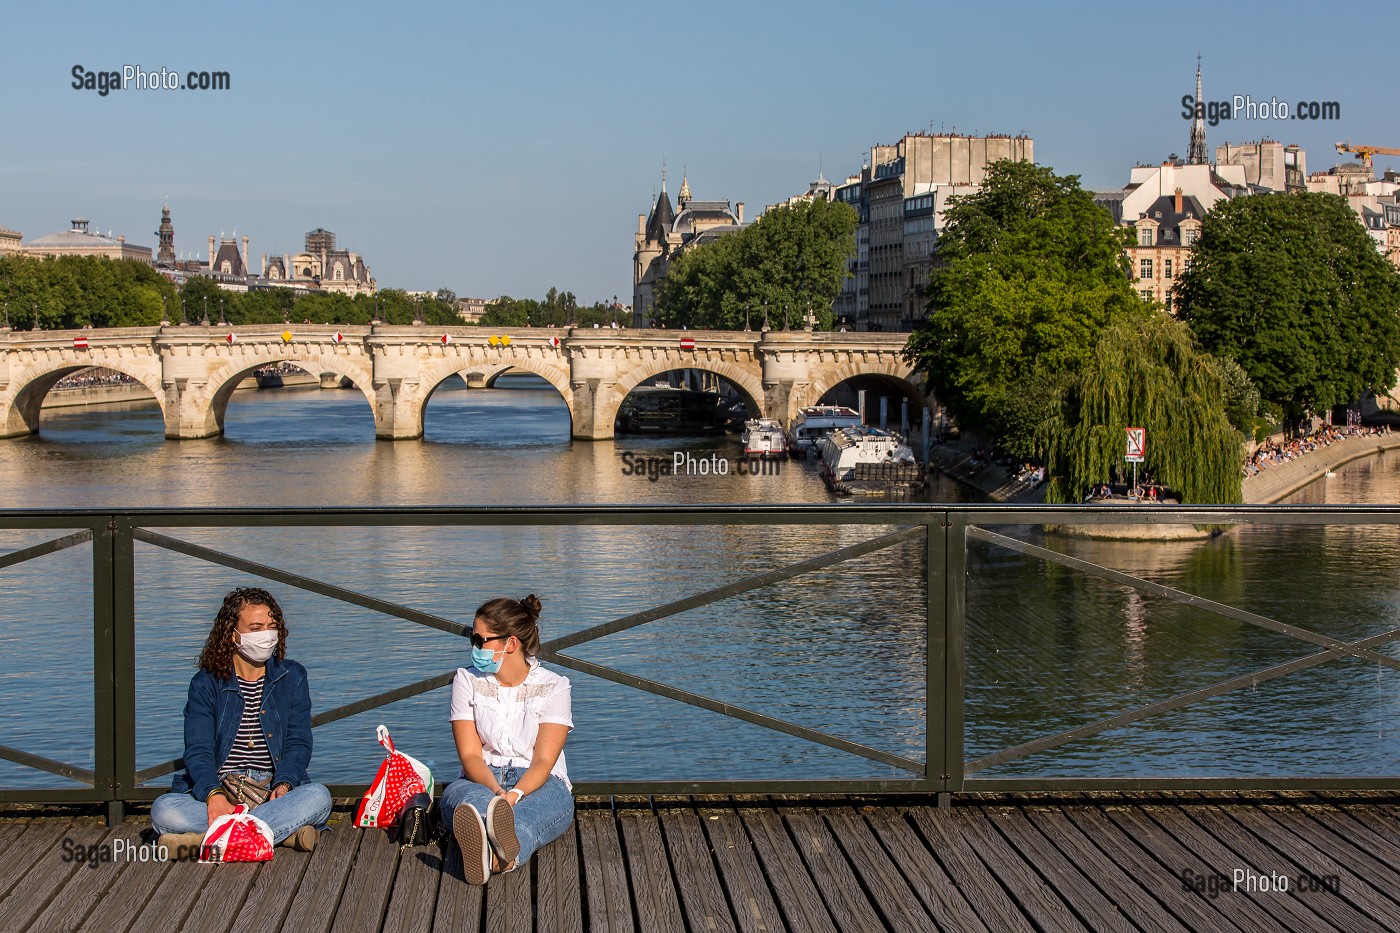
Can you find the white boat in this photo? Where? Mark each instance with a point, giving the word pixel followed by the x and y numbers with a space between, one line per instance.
pixel 812 424
pixel 865 459
pixel 764 438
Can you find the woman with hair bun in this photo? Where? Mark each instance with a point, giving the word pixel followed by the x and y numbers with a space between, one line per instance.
pixel 510 718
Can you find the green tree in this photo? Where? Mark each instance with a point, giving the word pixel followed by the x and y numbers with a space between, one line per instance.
pixel 1146 372
pixel 505 311
pixel 790 260
pixel 1029 274
pixel 1292 287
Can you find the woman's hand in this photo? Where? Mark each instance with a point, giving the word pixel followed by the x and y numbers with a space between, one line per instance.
pixel 219 805
pixel 278 791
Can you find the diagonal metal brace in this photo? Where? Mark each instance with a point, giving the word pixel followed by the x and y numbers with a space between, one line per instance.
pixel 734 712
pixel 1180 596
pixel 302 583
pixel 1176 702
pixel 47 547
pixel 41 763
pixel 733 589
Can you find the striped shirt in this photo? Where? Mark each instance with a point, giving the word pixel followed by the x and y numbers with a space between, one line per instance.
pixel 250 746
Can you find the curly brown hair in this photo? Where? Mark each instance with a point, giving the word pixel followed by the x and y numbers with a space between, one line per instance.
pixel 217 656
pixel 518 617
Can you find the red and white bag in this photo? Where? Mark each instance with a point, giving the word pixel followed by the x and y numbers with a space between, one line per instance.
pixel 237 837
pixel 399 778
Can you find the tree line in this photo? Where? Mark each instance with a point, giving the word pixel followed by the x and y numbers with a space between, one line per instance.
pixel 1035 337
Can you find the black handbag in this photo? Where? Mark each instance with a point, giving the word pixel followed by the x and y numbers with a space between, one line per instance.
pixel 419 823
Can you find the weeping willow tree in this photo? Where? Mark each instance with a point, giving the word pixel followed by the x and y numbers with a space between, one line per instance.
pixel 1146 373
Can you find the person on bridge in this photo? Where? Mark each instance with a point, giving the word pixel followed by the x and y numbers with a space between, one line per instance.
pixel 510 718
pixel 248 714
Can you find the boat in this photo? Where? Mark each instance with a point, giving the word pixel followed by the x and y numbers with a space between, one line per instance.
pixel 865 460
pixel 765 439
pixel 660 409
pixel 814 423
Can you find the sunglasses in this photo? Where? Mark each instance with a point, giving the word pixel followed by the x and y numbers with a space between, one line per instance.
pixel 479 642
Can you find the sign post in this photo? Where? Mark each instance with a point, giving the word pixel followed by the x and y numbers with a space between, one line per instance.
pixel 1135 451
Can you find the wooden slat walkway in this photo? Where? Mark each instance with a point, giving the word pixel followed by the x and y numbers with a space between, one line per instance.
pixel 1027 863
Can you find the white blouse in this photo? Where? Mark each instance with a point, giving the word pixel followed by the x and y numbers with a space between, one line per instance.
pixel 508 718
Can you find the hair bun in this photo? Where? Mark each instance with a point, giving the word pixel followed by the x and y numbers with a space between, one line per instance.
pixel 531 605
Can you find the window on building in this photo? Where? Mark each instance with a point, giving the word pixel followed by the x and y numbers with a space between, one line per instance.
pixel 1146 294
pixel 1145 236
pixel 1188 236
pixel 1144 268
pixel 1167 268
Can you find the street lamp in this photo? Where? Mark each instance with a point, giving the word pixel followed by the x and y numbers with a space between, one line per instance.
pixel 205 319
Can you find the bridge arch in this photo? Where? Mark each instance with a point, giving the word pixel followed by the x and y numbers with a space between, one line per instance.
pixel 743 378
pixel 21 402
pixel 206 409
pixel 903 380
pixel 490 370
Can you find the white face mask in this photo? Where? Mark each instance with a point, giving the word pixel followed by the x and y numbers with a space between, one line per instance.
pixel 257 647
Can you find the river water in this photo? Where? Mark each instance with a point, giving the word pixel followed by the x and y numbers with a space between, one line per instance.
pixel 841 650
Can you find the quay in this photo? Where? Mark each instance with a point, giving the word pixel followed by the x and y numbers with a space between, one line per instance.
pixel 1047 862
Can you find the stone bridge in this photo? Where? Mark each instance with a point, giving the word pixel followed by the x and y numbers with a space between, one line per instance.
pixel 192 370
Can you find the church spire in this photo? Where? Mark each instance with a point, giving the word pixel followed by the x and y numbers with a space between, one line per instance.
pixel 1196 155
pixel 684 194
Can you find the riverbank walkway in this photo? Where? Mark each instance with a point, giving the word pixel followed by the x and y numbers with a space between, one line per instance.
pixel 1047 862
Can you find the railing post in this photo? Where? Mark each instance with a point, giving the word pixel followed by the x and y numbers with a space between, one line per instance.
pixel 123 705
pixel 104 735
pixel 955 654
pixel 935 664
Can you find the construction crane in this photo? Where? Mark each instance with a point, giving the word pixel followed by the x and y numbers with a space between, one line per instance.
pixel 1365 152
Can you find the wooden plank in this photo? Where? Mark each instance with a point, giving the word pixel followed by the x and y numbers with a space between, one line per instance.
pixel 558 885
pixel 654 891
pixel 459 905
pixel 10 832
pixel 1266 858
pixel 314 907
pixel 89 884
pixel 366 894
pixel 174 898
pixel 793 889
pixel 702 895
pixel 1035 897
pixel 40 837
pixel 271 896
pixel 1365 849
pixel 1137 897
pixel 1081 868
pixel 48 871
pixel 933 887
pixel 1289 835
pixel 509 905
pixel 221 901
pixel 1178 859
pixel 604 872
pixel 752 903
pixel 944 837
pixel 415 892
pixel 893 898
pixel 835 880
pixel 1218 858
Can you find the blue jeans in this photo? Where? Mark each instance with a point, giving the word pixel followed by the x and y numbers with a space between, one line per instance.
pixel 298 807
pixel 540 817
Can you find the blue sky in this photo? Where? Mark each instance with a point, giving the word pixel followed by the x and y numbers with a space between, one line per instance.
pixel 505 148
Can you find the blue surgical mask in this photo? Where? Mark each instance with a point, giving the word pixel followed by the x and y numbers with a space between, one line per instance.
pixel 484 660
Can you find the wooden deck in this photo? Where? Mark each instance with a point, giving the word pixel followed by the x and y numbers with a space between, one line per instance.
pixel 1049 862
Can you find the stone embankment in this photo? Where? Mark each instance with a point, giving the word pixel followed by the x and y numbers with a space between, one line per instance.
pixel 1280 480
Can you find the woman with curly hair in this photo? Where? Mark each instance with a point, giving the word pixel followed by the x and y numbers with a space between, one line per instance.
pixel 510 718
pixel 248 714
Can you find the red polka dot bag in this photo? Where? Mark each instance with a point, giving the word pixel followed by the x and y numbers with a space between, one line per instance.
pixel 399 778
pixel 237 837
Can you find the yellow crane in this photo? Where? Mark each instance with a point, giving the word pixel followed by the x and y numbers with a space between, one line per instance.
pixel 1365 152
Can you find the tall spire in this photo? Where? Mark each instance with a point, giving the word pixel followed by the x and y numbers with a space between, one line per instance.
pixel 1196 155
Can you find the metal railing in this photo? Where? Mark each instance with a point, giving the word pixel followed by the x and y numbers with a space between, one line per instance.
pixel 945 531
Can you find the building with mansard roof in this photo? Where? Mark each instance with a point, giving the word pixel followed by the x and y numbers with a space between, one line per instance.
pixel 80 241
pixel 321 265
pixel 665 233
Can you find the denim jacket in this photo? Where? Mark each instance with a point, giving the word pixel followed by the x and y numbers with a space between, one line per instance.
pixel 212 714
